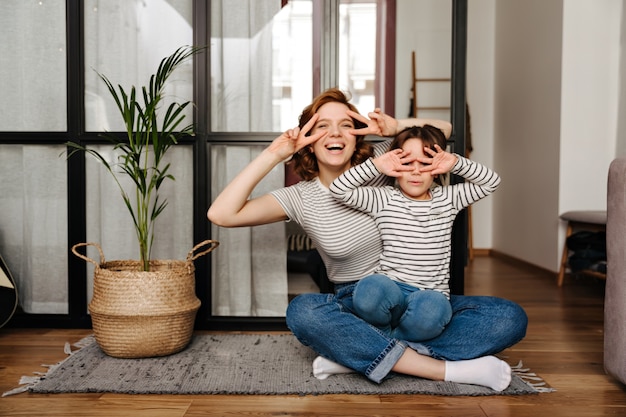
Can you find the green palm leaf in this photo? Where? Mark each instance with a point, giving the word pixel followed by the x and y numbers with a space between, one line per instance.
pixel 141 154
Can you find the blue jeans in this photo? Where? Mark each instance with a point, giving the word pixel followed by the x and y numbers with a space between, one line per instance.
pixel 401 310
pixel 480 326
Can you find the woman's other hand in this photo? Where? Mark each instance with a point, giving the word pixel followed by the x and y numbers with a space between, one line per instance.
pixel 379 124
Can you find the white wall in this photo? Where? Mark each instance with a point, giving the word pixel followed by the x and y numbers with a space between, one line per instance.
pixel 527 129
pixel 480 98
pixel 555 120
pixel 621 112
pixel 588 101
pixel 544 90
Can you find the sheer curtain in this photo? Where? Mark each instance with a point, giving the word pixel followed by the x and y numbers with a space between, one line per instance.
pixel 249 268
pixel 33 73
pixel 33 225
pixel 33 187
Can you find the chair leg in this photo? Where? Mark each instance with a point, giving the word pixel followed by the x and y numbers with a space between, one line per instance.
pixel 559 281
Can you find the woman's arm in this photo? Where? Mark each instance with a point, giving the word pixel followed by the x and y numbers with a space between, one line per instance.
pixel 233 208
pixel 443 125
pixel 381 124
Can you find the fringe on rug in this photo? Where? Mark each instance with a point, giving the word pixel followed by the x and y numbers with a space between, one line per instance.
pixel 530 378
pixel 26 382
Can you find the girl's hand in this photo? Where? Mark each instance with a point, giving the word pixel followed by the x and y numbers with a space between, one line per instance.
pixel 441 162
pixel 295 139
pixel 378 124
pixel 394 163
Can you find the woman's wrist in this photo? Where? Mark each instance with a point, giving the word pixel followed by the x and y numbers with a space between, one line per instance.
pixel 406 123
pixel 272 157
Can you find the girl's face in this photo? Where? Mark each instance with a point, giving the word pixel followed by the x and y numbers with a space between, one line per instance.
pixel 415 184
pixel 335 149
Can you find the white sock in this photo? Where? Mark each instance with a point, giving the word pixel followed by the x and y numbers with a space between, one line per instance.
pixel 488 371
pixel 323 368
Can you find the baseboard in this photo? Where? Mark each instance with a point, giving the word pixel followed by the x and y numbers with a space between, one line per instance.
pixel 482 252
pixel 520 262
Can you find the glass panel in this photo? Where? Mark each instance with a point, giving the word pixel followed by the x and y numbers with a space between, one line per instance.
pixel 34 84
pixel 33 225
pixel 125 40
pixel 357 52
pixel 249 276
pixel 429 36
pixel 261 68
pixel 110 225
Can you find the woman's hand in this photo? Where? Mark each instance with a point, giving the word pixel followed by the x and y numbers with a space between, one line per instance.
pixel 394 163
pixel 378 124
pixel 295 139
pixel 441 161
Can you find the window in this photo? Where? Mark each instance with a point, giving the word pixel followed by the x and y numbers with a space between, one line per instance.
pixel 264 64
pixel 267 58
pixel 33 86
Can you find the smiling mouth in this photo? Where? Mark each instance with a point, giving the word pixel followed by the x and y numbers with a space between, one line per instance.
pixel 335 147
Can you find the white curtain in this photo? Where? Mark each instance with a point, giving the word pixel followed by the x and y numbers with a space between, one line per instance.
pixel 33 224
pixel 249 268
pixel 33 71
pixel 125 40
pixel 121 42
pixel 241 65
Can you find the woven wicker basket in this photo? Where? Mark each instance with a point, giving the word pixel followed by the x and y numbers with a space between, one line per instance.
pixel 139 314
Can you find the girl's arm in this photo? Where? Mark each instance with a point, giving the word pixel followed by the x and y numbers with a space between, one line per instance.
pixel 481 181
pixel 349 188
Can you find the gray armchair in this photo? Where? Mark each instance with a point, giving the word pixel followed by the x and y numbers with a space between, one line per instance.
pixel 615 292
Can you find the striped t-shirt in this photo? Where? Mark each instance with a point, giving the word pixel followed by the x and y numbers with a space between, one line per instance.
pixel 416 234
pixel 347 239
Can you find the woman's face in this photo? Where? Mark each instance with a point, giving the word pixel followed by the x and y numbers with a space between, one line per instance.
pixel 335 149
pixel 415 184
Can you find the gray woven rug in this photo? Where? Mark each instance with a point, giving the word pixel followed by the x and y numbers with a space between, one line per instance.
pixel 235 364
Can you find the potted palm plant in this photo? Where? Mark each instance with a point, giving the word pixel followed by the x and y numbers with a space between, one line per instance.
pixel 144 307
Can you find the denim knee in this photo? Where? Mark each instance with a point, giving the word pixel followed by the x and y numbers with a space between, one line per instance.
pixel 378 300
pixel 303 316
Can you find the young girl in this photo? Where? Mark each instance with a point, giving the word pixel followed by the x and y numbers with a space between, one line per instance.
pixel 407 296
pixel 327 142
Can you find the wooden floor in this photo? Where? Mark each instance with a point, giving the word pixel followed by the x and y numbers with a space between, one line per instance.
pixel 563 345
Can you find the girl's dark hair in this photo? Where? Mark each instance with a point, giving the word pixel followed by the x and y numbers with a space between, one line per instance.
pixel 304 161
pixel 429 135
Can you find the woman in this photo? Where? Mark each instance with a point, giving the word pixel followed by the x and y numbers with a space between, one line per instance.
pixel 327 142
